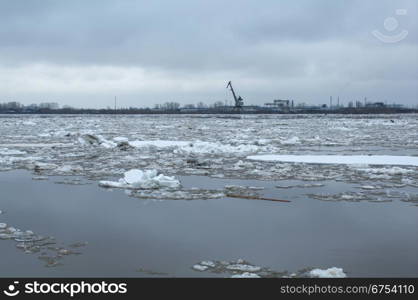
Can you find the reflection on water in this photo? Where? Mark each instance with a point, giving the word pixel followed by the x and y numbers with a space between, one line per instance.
pixel 127 235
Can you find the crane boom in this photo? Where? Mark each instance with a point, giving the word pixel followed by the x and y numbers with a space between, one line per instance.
pixel 238 101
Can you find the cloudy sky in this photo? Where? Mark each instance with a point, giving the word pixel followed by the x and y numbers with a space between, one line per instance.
pixel 84 53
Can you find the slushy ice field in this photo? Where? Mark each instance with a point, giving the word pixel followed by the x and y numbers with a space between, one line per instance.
pixel 209 195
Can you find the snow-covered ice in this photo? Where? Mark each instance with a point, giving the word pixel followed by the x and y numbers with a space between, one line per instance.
pixel 246 275
pixel 197 146
pixel 341 159
pixel 328 273
pixel 200 268
pixel 244 269
pixel 138 179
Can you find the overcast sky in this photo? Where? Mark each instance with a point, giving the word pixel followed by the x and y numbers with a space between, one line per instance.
pixel 84 53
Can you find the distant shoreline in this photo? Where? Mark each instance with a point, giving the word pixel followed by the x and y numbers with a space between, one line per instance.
pixel 348 111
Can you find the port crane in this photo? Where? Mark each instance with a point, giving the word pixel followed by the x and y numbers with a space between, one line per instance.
pixel 239 102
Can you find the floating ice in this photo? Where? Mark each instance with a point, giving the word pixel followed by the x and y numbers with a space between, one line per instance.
pixel 200 268
pixel 291 141
pixel 69 169
pixel 208 263
pixel 243 267
pixel 389 171
pixel 39 166
pixel 158 144
pixel 328 273
pixel 183 194
pixel 30 123
pixel 197 146
pixel 239 267
pixel 29 242
pixel 92 139
pixel 138 179
pixel 6 151
pixel 341 159
pixel 368 187
pixel 120 139
pixel 246 275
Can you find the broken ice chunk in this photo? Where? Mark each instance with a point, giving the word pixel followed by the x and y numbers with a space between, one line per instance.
pixel 138 179
pixel 120 139
pixel 91 139
pixel 243 267
pixel 328 273
pixel 368 187
pixel 208 263
pixel 39 166
pixel 246 275
pixel 200 268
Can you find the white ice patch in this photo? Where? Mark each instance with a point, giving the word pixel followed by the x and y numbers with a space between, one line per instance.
pixel 243 268
pixel 291 141
pixel 341 159
pixel 138 179
pixel 29 123
pixel 119 139
pixel 197 146
pixel 208 263
pixel 328 273
pixel 69 169
pixel 200 268
pixel 158 144
pixel 91 139
pixel 6 151
pixel 368 187
pixel 43 166
pixel 387 171
pixel 246 275
pixel 35 145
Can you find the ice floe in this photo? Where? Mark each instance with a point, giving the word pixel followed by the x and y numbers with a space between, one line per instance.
pixel 6 151
pixel 244 269
pixel 291 141
pixel 341 159
pixel 67 169
pixel 328 273
pixel 386 171
pixel 138 179
pixel 31 243
pixel 246 275
pixel 91 139
pixel 200 267
pixel 197 146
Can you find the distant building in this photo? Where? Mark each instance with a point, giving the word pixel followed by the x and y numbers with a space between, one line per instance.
pixel 49 105
pixel 279 104
pixel 376 104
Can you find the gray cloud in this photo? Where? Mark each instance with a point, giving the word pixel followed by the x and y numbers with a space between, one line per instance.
pixel 153 51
